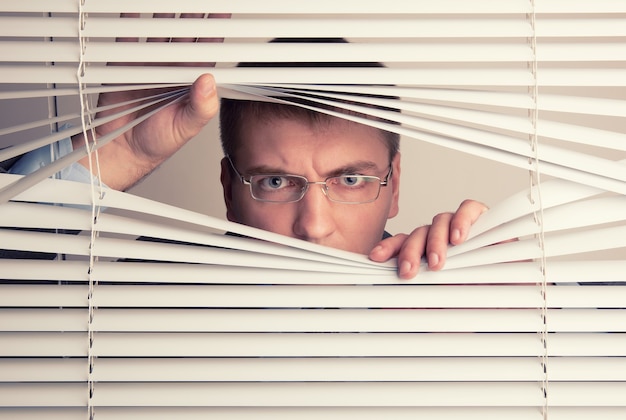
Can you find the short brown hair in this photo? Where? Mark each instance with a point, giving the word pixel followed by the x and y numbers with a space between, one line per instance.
pixel 235 113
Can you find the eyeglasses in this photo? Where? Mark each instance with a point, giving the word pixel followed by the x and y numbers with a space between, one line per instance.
pixel 284 188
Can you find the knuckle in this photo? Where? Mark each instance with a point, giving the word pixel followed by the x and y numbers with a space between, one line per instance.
pixel 441 217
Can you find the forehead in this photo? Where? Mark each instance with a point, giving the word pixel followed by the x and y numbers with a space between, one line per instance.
pixel 310 134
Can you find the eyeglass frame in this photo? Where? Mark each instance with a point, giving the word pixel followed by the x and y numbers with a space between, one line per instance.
pixel 382 182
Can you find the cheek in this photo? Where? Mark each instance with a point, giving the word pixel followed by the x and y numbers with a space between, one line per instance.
pixel 363 226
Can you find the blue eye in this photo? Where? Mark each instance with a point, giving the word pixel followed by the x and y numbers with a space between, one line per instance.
pixel 351 180
pixel 274 182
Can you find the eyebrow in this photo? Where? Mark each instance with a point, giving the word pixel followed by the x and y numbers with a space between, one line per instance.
pixel 356 167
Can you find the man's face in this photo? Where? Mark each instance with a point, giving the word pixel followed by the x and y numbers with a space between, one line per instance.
pixel 288 146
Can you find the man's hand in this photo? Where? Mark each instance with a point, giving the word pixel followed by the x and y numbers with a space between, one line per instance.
pixel 431 241
pixel 130 157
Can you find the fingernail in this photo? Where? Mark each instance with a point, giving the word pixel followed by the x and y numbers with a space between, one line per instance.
pixel 377 249
pixel 405 268
pixel 455 235
pixel 433 259
pixel 208 89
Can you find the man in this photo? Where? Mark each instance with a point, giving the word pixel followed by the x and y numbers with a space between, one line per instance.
pixel 282 145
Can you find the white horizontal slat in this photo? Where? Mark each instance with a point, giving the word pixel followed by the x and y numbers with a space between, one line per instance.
pixel 347 320
pixel 591 77
pixel 185 273
pixel 571 320
pixel 74 91
pixel 38 26
pixel 41 6
pixel 593 212
pixel 581 134
pixel 222 345
pixel 366 413
pixel 144 250
pixel 361 369
pixel 580 6
pixel 44 270
pixel 320 394
pixel 130 272
pixel 152 74
pixel 317 369
pixel 43 395
pixel 581 413
pixel 47 295
pixel 275 369
pixel 36 74
pixel 442 77
pixel 51 413
pixel 264 27
pixel 41 123
pixel 324 297
pixel 284 52
pixel 57 319
pixel 304 27
pixel 312 413
pixel 593 394
pixel 286 413
pixel 31 51
pixel 43 344
pixel 27 215
pixel 580 27
pixel 313 369
pixel 318 345
pixel 302 320
pixel 473 99
pixel 558 244
pixel 302 296
pixel 580 52
pixel 58 369
pixel 301 26
pixel 360 345
pixel 597 296
pixel 181 273
pixel 561 369
pixel 587 344
pixel 349 296
pixel 103 52
pixel 322 6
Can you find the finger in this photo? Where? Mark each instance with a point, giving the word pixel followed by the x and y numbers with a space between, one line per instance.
pixel 388 248
pixel 410 255
pixel 408 248
pixel 438 240
pixel 468 212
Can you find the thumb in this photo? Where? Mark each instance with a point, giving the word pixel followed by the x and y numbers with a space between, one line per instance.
pixel 201 107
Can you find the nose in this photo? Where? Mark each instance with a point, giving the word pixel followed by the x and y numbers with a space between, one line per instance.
pixel 314 220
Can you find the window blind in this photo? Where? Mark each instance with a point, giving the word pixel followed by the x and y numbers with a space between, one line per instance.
pixel 234 327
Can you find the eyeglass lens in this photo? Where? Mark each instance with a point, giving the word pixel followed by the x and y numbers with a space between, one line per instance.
pixel 289 188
